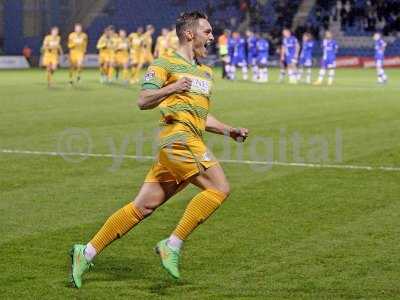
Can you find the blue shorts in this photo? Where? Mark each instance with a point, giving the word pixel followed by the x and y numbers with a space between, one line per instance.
pixel 305 62
pixel 252 59
pixel 329 63
pixel 290 59
pixel 238 61
pixel 262 60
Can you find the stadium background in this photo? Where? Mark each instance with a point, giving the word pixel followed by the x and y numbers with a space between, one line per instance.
pixel 25 23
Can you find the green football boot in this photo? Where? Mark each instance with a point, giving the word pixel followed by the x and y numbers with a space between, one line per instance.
pixel 169 258
pixel 79 264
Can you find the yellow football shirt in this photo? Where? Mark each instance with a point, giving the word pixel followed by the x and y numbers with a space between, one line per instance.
pixel 173 42
pixel 102 42
pixel 180 112
pixel 122 44
pixel 107 43
pixel 135 40
pixel 161 45
pixel 51 44
pixel 78 41
pixel 147 41
pixel 136 46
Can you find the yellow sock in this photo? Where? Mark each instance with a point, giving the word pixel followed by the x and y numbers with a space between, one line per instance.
pixel 103 70
pixel 78 71
pixel 135 74
pixel 110 73
pixel 71 74
pixel 116 226
pixel 125 74
pixel 49 76
pixel 197 211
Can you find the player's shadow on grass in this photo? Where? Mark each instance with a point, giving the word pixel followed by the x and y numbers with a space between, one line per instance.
pixel 56 87
pixel 81 88
pixel 161 286
pixel 117 269
pixel 119 85
pixel 127 269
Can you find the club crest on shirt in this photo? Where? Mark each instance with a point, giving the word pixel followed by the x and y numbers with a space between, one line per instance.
pixel 207 75
pixel 150 75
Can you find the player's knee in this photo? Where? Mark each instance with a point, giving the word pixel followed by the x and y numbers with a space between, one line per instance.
pixel 144 208
pixel 148 210
pixel 224 188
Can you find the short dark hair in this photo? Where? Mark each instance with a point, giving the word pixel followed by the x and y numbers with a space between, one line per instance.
pixel 188 20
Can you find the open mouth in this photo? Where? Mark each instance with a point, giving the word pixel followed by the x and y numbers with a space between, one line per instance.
pixel 207 45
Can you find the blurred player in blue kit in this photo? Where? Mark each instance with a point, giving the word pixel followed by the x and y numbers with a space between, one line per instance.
pixel 252 54
pixel 237 56
pixel 380 46
pixel 262 58
pixel 290 53
pixel 328 63
pixel 305 61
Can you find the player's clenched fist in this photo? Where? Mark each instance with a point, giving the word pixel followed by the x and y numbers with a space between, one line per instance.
pixel 183 85
pixel 239 134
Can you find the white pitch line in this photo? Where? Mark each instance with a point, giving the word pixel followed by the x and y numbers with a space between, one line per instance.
pixel 232 161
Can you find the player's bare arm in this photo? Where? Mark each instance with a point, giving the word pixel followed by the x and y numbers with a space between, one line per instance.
pixel 151 98
pixel 215 126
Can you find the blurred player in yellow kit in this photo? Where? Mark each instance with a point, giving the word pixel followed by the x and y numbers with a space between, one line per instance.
pixel 77 45
pixel 161 43
pixel 136 48
pixel 147 56
pixel 122 55
pixel 173 41
pixel 106 46
pixel 51 50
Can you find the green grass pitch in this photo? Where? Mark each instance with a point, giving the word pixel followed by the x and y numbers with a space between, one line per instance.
pixel 286 232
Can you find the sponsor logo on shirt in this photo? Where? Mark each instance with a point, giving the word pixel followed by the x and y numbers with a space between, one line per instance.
pixel 200 86
pixel 150 75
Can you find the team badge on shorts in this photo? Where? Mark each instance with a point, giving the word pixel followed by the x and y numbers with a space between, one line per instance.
pixel 149 75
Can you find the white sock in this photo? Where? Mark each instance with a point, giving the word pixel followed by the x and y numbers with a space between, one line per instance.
pixel 261 74
pixel 331 75
pixel 295 75
pixel 228 70
pixel 282 74
pixel 233 72
pixel 292 76
pixel 321 74
pixel 244 72
pixel 175 243
pixel 381 75
pixel 308 77
pixel 300 74
pixel 255 73
pixel 89 252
